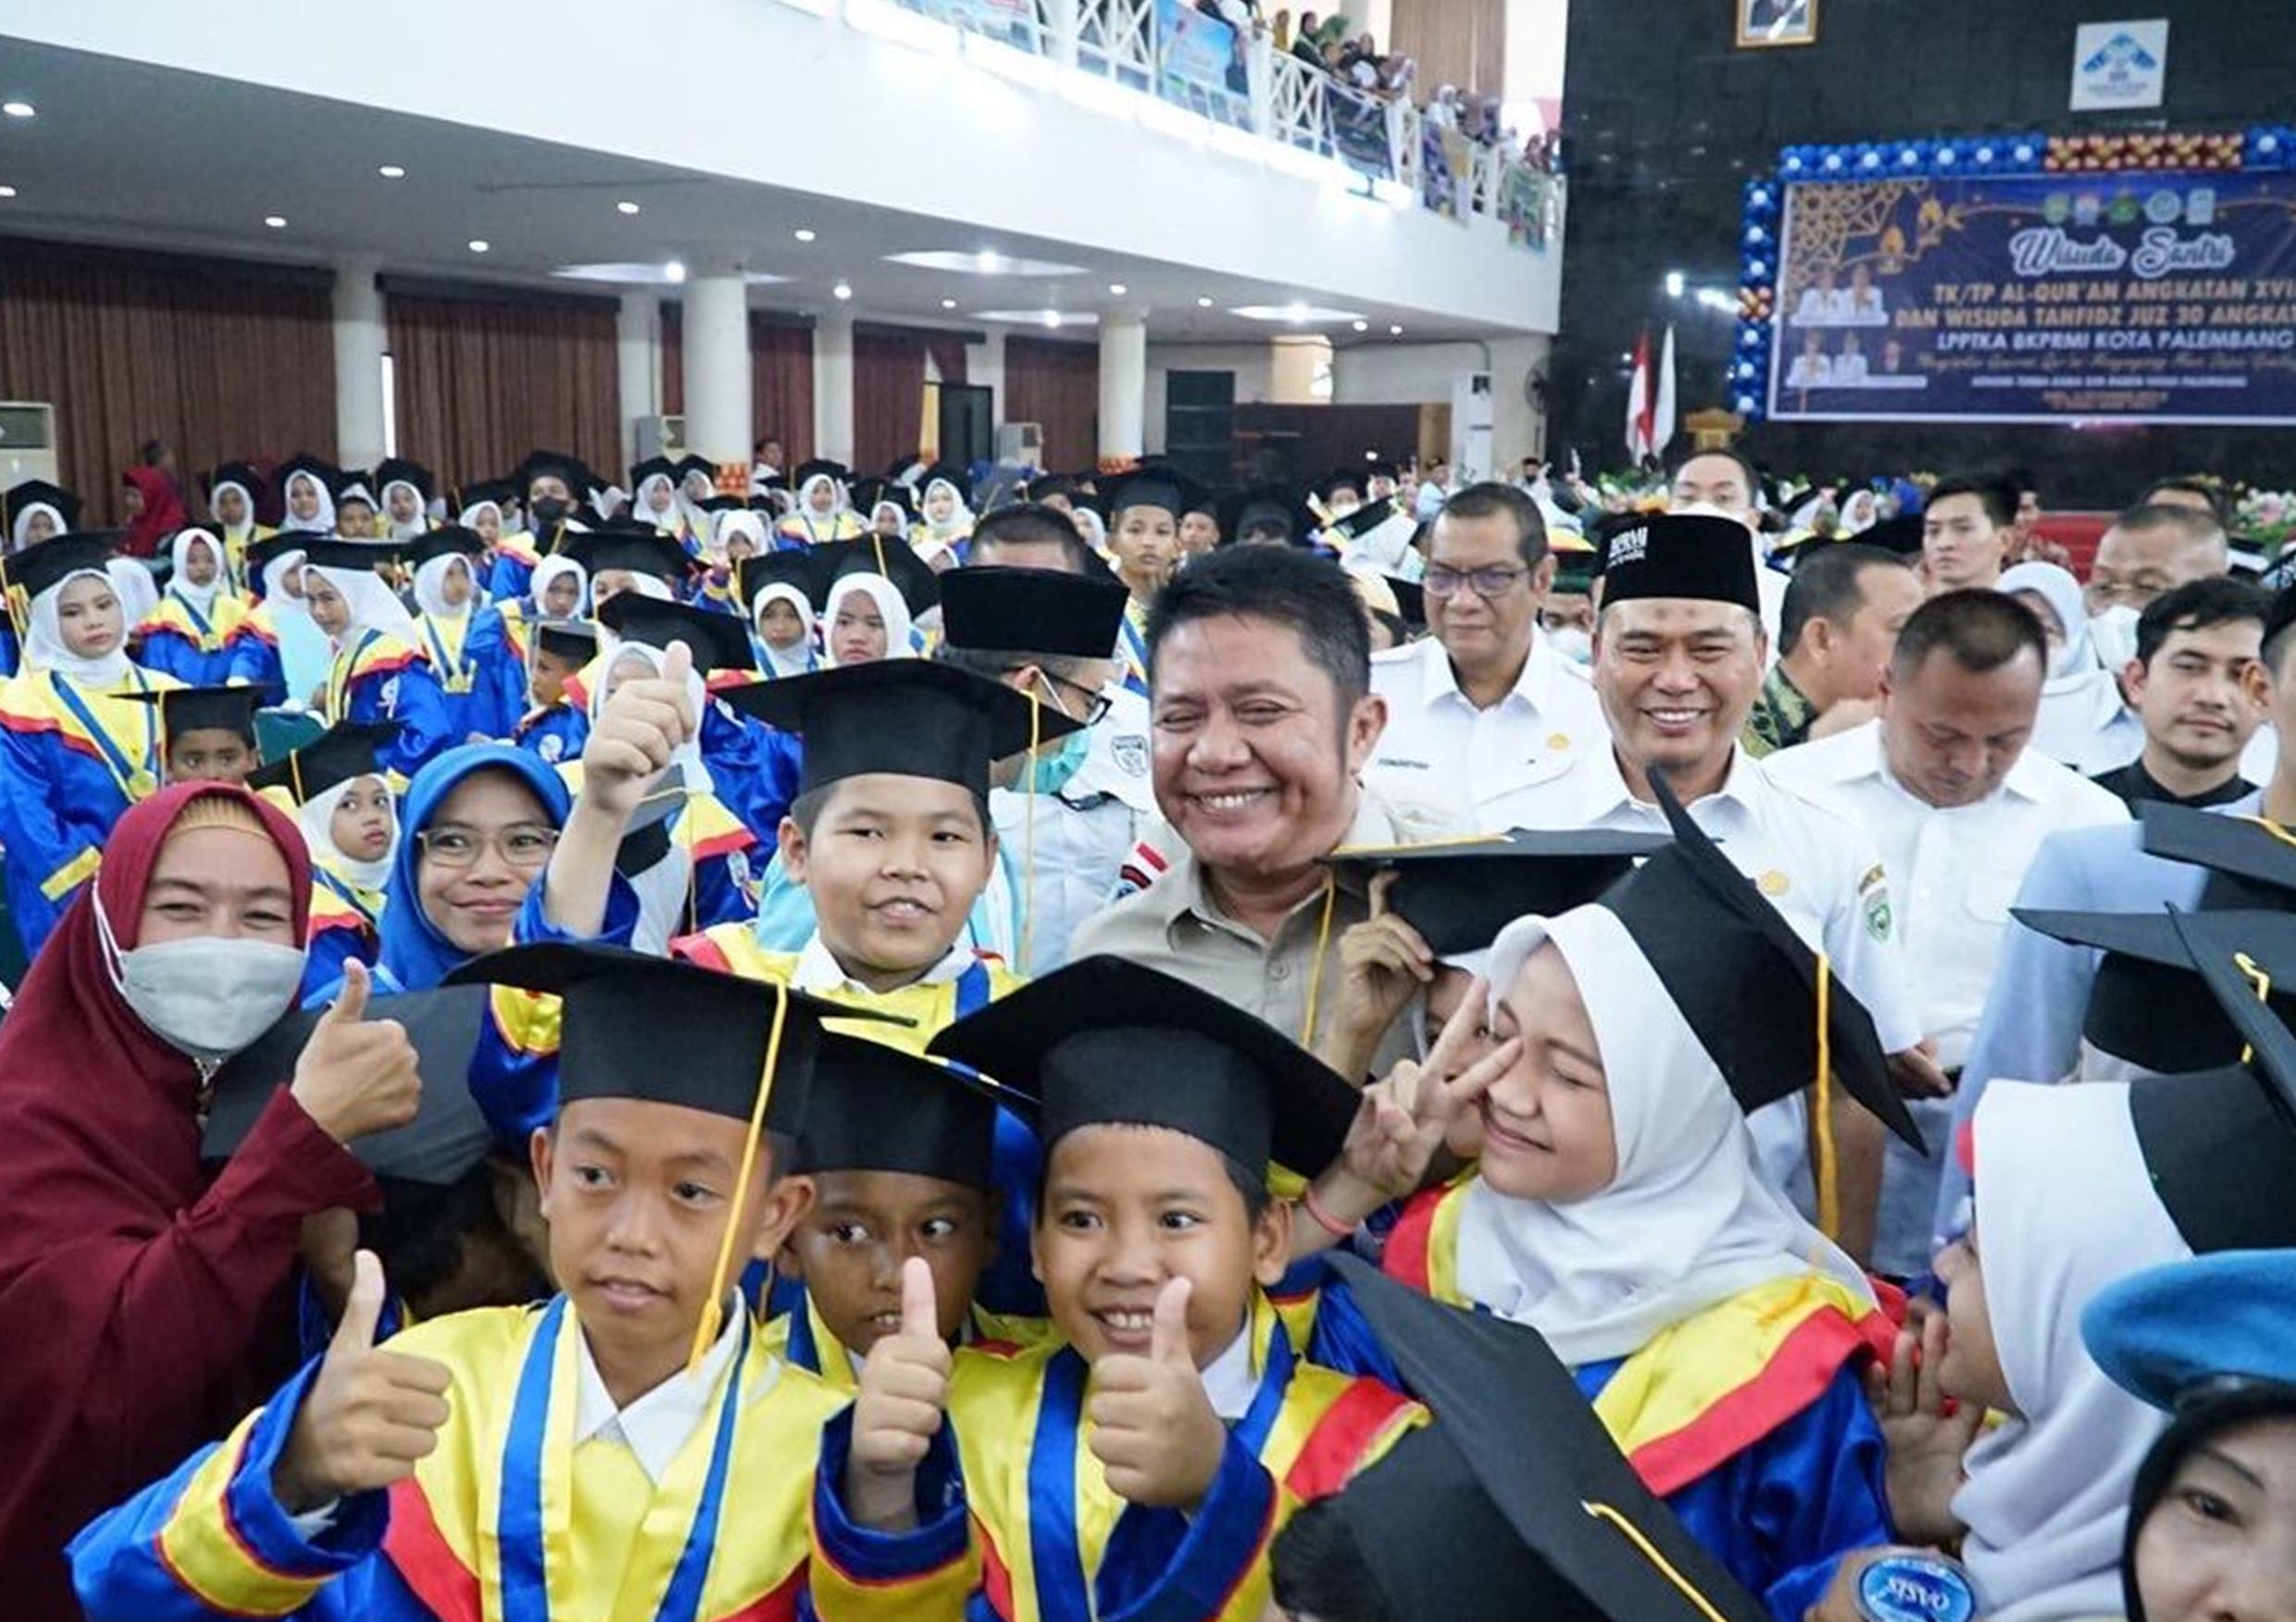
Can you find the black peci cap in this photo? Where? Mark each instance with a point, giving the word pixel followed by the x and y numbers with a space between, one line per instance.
pixel 446 541
pixel 794 566
pixel 39 492
pixel 1459 893
pixel 204 709
pixel 893 558
pixel 398 470
pixel 568 638
pixel 1105 1041
pixel 1515 1502
pixel 878 1107
pixel 1031 610
pixel 639 551
pixel 718 642
pixel 345 751
pixel 1680 554
pixel 905 717
pixel 1745 983
pixel 43 567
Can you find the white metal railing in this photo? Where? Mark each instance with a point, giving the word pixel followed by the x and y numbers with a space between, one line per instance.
pixel 1117 39
pixel 1297 116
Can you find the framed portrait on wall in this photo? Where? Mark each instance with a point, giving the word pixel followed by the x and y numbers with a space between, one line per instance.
pixel 1763 23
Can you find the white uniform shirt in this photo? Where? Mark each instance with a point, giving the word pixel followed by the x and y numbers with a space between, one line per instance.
pixel 1478 768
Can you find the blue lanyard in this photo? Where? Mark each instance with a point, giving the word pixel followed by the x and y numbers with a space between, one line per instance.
pixel 199 624
pixel 114 758
pixel 525 1588
pixel 972 989
pixel 1135 657
pixel 1062 1592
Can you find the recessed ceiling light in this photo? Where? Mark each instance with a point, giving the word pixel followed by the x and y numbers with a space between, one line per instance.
pixel 1119 289
pixel 803 234
pixel 986 263
pixel 17 110
pixel 7 191
pixel 276 222
pixel 480 245
pixel 948 303
pixel 391 171
pixel 1203 304
pixel 674 272
pixel 1362 326
pixel 1394 331
pixel 844 290
pixel 1052 318
pixel 625 207
pixel 1061 319
pixel 1296 313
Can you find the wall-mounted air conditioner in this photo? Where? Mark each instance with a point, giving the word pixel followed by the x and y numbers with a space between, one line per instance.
pixel 28 442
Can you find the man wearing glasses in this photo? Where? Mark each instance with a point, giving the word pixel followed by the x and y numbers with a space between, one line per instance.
pixel 1485 710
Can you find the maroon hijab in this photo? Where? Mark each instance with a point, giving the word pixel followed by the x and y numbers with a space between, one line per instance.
pixel 142 1305
pixel 163 512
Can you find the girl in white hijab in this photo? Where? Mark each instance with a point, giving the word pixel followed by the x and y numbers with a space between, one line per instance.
pixel 281 649
pixel 793 653
pixel 2083 722
pixel 657 503
pixel 820 513
pixel 378 672
pixel 559 588
pixel 310 505
pixel 864 620
pixel 947 523
pixel 189 632
pixel 34 516
pixel 484 518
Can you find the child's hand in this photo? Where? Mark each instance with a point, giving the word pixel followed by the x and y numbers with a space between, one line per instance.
pixel 899 1409
pixel 1153 1426
pixel 1403 1119
pixel 369 1415
pixel 1927 1433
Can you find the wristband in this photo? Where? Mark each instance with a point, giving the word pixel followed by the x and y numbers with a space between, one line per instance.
pixel 1323 1219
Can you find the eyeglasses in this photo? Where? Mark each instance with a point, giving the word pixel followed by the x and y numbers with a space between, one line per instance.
pixel 525 845
pixel 1492 581
pixel 1096 704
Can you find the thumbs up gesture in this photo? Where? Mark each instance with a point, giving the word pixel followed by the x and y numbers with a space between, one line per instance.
pixel 357 1075
pixel 367 1417
pixel 1153 1426
pixel 897 1411
pixel 646 721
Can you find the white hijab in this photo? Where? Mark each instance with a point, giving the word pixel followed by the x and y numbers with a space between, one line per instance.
pixel 1860 513
pixel 960 522
pixel 1088 524
pixel 201 598
pixel 697 517
pixel 418 525
pixel 662 888
pixel 2080 697
pixel 138 593
pixel 469 517
pixel 790 661
pixel 324 524
pixel 23 522
pixel 1686 1224
pixel 281 603
pixel 670 519
pixel 741 522
pixel 240 532
pixel 804 504
pixel 549 569
pixel 374 605
pixel 44 641
pixel 431 587
pixel 2064 1208
pixel 315 816
pixel 890 608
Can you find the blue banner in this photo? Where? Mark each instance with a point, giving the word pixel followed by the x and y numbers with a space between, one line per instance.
pixel 1360 138
pixel 1010 23
pixel 2118 296
pixel 1202 64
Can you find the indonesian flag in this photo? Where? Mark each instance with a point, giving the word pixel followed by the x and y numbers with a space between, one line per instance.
pixel 1662 412
pixel 1641 400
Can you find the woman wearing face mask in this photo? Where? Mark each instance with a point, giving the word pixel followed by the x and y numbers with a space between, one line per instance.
pixel 947 525
pixel 378 671
pixel 482 675
pixel 191 632
pixel 865 620
pixel 2083 723
pixel 145 1298
pixel 821 515
pixel 232 506
pixel 2211 1521
pixel 307 488
pixel 349 820
pixel 74 752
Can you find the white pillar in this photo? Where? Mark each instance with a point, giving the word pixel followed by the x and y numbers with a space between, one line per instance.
pixel 1123 385
pixel 361 435
pixel 638 362
pixel 717 366
pixel 832 387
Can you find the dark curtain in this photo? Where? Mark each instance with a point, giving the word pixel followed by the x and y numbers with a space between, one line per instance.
pixel 1057 385
pixel 888 395
pixel 780 378
pixel 221 359
pixel 484 379
pixel 947 349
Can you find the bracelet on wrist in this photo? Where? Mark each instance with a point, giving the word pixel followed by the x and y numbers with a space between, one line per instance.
pixel 1323 1219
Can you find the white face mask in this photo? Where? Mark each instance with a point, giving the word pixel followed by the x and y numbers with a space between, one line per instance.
pixel 2114 634
pixel 1573 643
pixel 204 995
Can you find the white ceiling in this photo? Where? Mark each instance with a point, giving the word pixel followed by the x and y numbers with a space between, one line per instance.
pixel 126 153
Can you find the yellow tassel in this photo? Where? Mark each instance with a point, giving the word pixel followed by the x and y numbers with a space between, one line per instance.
pixel 2272 828
pixel 2257 978
pixel 1648 1552
pixel 1828 1179
pixel 706 1331
pixel 1315 975
pixel 1028 840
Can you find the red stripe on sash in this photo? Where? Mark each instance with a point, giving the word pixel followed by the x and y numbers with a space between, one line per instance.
pixel 1411 1245
pixel 418 1550
pixel 701 949
pixel 997 1580
pixel 1366 1413
pixel 778 1604
pixel 389 665
pixel 733 839
pixel 47 726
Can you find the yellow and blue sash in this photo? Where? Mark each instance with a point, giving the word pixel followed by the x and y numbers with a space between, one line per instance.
pixel 455 671
pixel 1132 641
pixel 135 778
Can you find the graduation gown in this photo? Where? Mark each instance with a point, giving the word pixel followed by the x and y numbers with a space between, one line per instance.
pixel 803 530
pixel 72 759
pixel 1132 647
pixel 723 852
pixel 794 1331
pixel 1050 1541
pixel 513 568
pixel 196 649
pixel 1749 1418
pixel 379 677
pixel 481 674
pixel 346 922
pixel 555 731
pixel 508 1518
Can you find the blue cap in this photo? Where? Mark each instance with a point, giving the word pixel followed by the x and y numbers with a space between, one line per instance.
pixel 2168 1331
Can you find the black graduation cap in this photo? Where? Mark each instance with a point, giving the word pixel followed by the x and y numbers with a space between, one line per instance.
pixel 569 638
pixel 908 717
pixel 1046 486
pixel 398 470
pixel 449 1134
pixel 1339 479
pixel 2256 863
pixel 357 488
pixel 645 551
pixel 1031 610
pixel 818 465
pixel 1103 1041
pixel 892 557
pixel 1265 510
pixel 943 472
pixel 1515 1502
pixel 1459 893
pixel 243 474
pixel 332 552
pixel 498 491
pixel 1746 984
pixel 718 642
pixel 869 494
pixel 641 472
pixel 446 541
pixel 38 491
pixel 204 709
pixel 692 464
pixel 329 477
pixel 575 472
pixel 2147 1005
pixel 878 1107
pixel 38 568
pixel 1149 487
pixel 1410 602
pixel 345 751
pixel 262 553
pixel 795 567
pixel 723 504
pixel 1900 534
pixel 1680 554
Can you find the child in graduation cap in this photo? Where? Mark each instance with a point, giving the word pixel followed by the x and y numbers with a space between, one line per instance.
pixel 207 734
pixel 1144 541
pixel 779 589
pixel 629 1449
pixel 553 727
pixel 378 672
pixel 1142 1467
pixel 189 635
pixel 1617 1209
pixel 469 648
pixel 336 789
pixel 553 486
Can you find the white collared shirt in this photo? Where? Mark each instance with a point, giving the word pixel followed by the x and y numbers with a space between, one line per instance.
pixel 1229 1383
pixel 815 972
pixel 1478 767
pixel 657 1427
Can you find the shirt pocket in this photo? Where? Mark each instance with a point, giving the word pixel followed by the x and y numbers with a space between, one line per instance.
pixel 1993 885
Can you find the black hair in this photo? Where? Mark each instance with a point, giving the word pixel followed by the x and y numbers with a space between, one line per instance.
pixel 2198 1418
pixel 1320 1571
pixel 806 810
pixel 762 441
pixel 2196 605
pixel 2185 486
pixel 1251 1188
pixel 1310 595
pixel 1981 630
pixel 152 452
pixel 1745 466
pixel 1032 523
pixel 1493 500
pixel 997 663
pixel 1826 585
pixel 1997 495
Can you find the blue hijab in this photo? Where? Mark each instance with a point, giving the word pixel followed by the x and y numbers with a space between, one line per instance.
pixel 415 954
